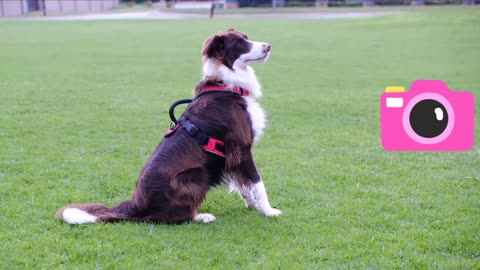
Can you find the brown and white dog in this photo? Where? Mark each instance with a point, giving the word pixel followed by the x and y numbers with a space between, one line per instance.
pixel 178 175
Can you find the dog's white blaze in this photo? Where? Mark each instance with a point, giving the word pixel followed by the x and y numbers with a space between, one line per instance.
pixel 77 216
pixel 257 117
pixel 256 53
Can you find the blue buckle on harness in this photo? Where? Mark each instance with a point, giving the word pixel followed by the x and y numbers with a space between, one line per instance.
pixel 189 127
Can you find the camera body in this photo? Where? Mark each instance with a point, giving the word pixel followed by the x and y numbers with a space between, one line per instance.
pixel 428 117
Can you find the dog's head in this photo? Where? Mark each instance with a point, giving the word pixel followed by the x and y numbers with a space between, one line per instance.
pixel 234 50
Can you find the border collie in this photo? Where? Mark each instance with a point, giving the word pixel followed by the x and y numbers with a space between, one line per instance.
pixel 178 175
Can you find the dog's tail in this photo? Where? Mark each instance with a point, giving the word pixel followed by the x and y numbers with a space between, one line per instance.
pixel 93 213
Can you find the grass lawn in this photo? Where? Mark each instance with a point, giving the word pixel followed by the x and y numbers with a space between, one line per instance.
pixel 83 105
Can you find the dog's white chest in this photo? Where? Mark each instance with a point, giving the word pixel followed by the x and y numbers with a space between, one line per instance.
pixel 257 117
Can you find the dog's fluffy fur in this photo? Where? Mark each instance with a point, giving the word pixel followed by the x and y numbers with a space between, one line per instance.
pixel 178 175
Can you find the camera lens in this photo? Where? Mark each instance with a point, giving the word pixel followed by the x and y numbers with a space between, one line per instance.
pixel 428 118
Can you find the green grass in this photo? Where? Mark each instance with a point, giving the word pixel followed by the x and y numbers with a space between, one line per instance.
pixel 83 104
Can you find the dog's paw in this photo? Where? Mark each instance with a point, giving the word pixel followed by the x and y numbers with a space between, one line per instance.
pixel 205 218
pixel 272 212
pixel 249 205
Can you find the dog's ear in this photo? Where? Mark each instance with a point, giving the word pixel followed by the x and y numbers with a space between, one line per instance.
pixel 214 47
pixel 240 33
pixel 229 58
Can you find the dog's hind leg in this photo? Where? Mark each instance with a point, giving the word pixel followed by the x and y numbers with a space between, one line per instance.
pixel 244 192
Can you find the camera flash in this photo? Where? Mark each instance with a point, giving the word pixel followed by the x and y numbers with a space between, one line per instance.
pixel 394 102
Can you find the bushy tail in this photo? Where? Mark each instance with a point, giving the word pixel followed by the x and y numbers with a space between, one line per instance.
pixel 92 213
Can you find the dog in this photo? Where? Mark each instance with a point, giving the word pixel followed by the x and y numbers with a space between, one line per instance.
pixel 211 145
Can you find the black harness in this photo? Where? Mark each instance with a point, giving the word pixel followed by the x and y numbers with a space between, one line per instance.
pixel 210 144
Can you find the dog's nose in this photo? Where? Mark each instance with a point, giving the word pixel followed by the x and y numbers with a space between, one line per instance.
pixel 266 47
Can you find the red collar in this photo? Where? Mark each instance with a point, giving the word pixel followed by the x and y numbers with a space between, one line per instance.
pixel 223 87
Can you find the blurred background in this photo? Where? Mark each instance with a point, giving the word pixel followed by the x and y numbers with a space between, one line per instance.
pixel 52 7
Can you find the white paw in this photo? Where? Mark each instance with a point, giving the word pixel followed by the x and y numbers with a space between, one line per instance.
pixel 271 212
pixel 205 218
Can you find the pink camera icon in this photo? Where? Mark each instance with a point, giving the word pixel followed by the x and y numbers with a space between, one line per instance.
pixel 428 117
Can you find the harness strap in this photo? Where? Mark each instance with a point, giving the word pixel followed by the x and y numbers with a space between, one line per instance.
pixel 222 87
pixel 193 130
pixel 211 145
pixel 171 112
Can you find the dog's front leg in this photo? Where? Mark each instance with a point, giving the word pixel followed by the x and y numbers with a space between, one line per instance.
pixel 261 200
pixel 251 187
pixel 255 196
